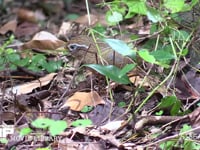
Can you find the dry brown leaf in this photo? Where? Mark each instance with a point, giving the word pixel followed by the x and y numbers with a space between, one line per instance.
pixel 9 26
pixel 80 99
pixel 137 81
pixel 44 41
pixel 26 29
pixel 26 15
pixel 28 87
pixel 30 16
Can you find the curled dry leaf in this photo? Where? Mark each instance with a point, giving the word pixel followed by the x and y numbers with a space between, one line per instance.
pixel 9 26
pixel 80 99
pixel 28 87
pixel 44 41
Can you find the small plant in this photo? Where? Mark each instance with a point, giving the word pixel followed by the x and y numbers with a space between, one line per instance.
pixel 54 127
pixel 11 59
pixel 183 141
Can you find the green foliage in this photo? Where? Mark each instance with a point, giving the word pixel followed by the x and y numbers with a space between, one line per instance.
pixel 172 103
pixel 114 73
pixel 121 104
pixel 186 142
pixel 25 131
pixel 121 47
pixel 81 123
pixel 86 109
pixel 11 59
pixel 118 9
pixel 3 140
pixel 55 127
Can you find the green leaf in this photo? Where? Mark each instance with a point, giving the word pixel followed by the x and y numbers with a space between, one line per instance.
pixel 168 145
pixel 25 131
pixel 126 69
pixel 175 108
pixel 57 127
pixel 111 72
pixel 174 5
pixel 154 15
pixel 144 54
pixel 39 59
pixel 188 6
pixel 159 113
pixel 179 35
pixel 170 102
pixel 114 17
pixel 184 52
pixel 82 123
pixel 167 101
pixel 42 123
pixel 23 62
pixel 52 66
pixel 121 47
pixel 13 57
pixel 86 109
pixel 121 104
pixel 3 140
pixel 185 128
pixel 162 55
pixel 137 7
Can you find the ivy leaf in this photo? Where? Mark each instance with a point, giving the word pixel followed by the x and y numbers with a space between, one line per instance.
pixel 114 17
pixel 136 7
pixel 57 127
pixel 144 54
pixel 121 47
pixel 42 123
pixel 154 15
pixel 174 5
pixel 81 123
pixel 111 72
pixel 52 66
pixel 25 131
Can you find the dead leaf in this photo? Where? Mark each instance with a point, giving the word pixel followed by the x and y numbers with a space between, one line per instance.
pixel 30 16
pixel 80 99
pixel 44 41
pixel 137 81
pixel 26 15
pixel 28 87
pixel 9 26
pixel 113 125
pixel 26 29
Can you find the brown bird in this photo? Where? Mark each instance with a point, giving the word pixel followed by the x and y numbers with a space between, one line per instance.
pixel 85 48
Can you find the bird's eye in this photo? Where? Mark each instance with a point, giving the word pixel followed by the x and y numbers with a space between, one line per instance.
pixel 72 47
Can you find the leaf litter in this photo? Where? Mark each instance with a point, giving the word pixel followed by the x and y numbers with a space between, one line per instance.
pixel 27 96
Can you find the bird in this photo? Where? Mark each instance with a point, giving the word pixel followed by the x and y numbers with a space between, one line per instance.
pixel 86 49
